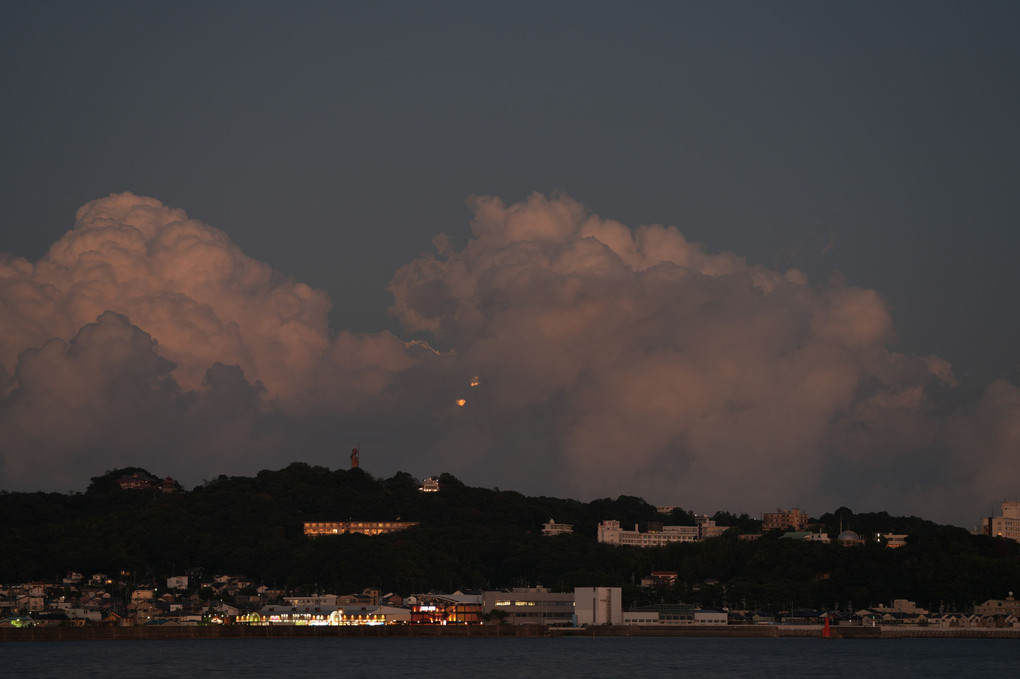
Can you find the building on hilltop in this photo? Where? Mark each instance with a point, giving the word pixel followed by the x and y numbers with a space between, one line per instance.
pixel 553 528
pixel 659 579
pixel 430 485
pixel 806 536
pixel 363 527
pixel 143 481
pixel 793 519
pixel 1005 526
pixel 610 532
pixel 892 540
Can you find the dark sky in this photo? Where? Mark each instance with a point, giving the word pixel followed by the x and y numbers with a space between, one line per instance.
pixel 874 142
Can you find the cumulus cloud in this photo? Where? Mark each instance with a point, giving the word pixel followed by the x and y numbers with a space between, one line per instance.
pixel 575 356
pixel 179 304
pixel 665 369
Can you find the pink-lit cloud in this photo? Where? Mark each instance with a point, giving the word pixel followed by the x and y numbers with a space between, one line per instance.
pixel 574 356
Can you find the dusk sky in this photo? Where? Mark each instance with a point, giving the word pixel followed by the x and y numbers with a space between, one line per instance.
pixel 727 255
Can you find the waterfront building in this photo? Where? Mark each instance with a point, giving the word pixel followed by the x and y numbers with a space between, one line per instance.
pixel 597 606
pixel 438 608
pixel 327 615
pixel 1005 607
pixel 530 606
pixel 710 616
pixel 363 527
pixel 664 614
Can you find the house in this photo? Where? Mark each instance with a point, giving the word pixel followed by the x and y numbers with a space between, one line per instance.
pixel 659 579
pixel 177 582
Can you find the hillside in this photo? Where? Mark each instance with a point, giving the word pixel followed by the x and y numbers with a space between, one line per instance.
pixel 476 538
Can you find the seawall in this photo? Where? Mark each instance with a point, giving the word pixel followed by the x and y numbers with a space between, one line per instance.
pixel 155 633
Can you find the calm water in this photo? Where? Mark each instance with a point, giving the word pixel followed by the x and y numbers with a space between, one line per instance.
pixel 574 657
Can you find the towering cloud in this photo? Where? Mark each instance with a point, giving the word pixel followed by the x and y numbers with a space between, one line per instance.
pixel 139 308
pixel 576 356
pixel 664 368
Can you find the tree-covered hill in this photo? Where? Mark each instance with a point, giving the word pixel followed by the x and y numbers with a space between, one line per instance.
pixel 476 538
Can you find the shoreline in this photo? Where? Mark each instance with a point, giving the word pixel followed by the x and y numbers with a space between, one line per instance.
pixel 158 633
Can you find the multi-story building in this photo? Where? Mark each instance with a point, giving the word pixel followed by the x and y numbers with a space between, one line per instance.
pixel 793 519
pixel 553 528
pixel 610 532
pixel 598 606
pixel 363 527
pixel 1007 606
pixel 1005 526
pixel 530 605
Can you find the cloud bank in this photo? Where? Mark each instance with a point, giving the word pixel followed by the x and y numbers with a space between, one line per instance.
pixel 576 356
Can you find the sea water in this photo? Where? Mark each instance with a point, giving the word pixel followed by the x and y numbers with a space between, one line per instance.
pixel 515 657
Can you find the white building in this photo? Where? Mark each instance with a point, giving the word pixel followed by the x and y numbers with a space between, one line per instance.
pixel 598 606
pixel 1005 526
pixel 177 582
pixel 611 533
pixel 710 617
pixel 553 528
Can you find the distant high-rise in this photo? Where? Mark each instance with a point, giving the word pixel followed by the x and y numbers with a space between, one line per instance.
pixel 793 519
pixel 1005 526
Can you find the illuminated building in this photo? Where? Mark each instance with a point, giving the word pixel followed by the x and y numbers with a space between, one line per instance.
pixel 328 615
pixel 1005 526
pixel 430 485
pixel 442 609
pixel 530 606
pixel 363 527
